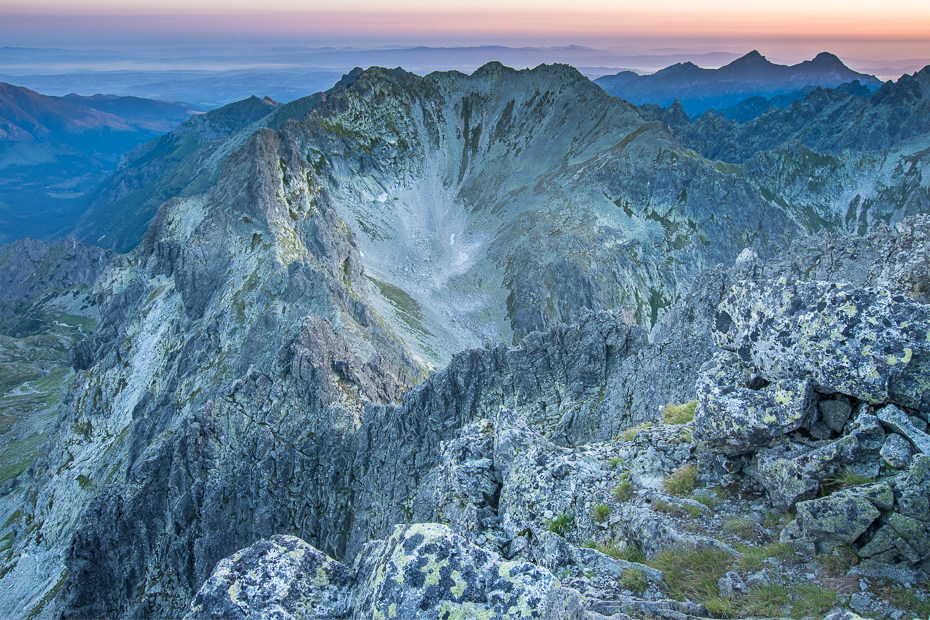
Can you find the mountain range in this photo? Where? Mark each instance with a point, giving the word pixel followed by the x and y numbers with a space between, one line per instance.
pixel 414 339
pixel 54 150
pixel 751 75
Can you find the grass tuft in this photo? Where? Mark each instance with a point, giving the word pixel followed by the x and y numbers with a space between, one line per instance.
pixel 634 580
pixel 600 513
pixel 623 491
pixel 839 561
pixel 845 479
pixel 692 573
pixel 682 481
pixel 679 413
pixel 560 524
pixel 742 527
pixel 630 433
pixel 618 550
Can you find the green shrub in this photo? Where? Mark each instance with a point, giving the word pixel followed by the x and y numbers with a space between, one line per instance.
pixel 679 413
pixel 560 524
pixel 600 513
pixel 682 481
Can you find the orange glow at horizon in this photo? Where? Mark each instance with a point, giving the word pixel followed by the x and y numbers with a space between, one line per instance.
pixel 744 24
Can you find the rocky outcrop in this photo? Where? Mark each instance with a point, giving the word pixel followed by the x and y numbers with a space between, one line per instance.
pixel 421 571
pixel 860 353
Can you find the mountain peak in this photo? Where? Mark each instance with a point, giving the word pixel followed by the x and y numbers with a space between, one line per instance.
pixel 752 57
pixel 827 58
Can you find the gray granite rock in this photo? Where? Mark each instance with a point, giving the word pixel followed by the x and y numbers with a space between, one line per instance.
pixel 900 422
pixel 897 451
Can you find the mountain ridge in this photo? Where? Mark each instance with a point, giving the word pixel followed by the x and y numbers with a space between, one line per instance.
pixel 701 89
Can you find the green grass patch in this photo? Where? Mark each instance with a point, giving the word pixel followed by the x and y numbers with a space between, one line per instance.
pixel 707 499
pixel 775 600
pixel 560 524
pixel 679 413
pixel 618 550
pixel 630 433
pixel 614 461
pixel 623 491
pixel 600 513
pixel 682 482
pixel 753 558
pixel 838 562
pixel 634 580
pixel 741 526
pixel 915 601
pixel 692 573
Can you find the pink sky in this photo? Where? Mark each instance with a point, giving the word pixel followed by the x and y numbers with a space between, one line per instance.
pixel 788 29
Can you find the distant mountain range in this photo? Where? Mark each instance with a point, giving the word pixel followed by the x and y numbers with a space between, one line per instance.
pixel 752 75
pixel 54 150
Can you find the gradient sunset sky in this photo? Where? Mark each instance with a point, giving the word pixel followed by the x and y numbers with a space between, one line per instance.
pixel 891 29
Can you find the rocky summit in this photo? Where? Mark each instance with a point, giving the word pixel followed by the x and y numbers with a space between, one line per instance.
pixel 484 346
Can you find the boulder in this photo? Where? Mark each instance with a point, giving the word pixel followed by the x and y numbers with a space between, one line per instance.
pixel 738 412
pixel 897 451
pixel 793 473
pixel 427 571
pixel 901 423
pixel 420 571
pixel 838 518
pixel 279 577
pixel 863 342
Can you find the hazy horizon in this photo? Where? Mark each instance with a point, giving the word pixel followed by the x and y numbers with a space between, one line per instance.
pixel 786 31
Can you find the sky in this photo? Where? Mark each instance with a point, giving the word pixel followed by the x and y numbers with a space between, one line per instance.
pixel 786 30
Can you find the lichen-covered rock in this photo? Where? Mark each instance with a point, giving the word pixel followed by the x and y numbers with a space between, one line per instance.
pixel 791 473
pixel 421 572
pixel 838 518
pixel 866 343
pixel 901 423
pixel 738 412
pixel 281 577
pixel 835 413
pixel 427 571
pixel 896 451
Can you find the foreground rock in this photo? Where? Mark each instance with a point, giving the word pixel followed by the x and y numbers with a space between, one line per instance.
pixel 421 571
